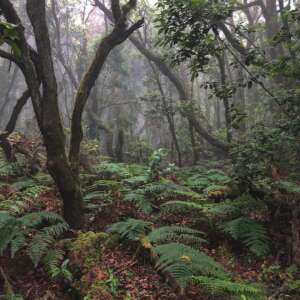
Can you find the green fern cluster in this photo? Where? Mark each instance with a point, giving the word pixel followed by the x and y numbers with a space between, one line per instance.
pixel 22 200
pixel 131 229
pixel 37 232
pixel 171 247
pixel 111 171
pixel 205 180
pixel 228 288
pixel 177 234
pixel 183 262
pixel 136 181
pixel 12 170
pixel 104 185
pixel 155 193
pixel 243 205
pixel 252 234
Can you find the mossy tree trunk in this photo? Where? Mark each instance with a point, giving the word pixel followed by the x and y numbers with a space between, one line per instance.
pixel 37 67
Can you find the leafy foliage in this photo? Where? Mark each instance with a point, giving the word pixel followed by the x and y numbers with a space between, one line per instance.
pixel 167 245
pixel 178 234
pixel 131 229
pixel 225 287
pixel 111 171
pixel 36 232
pixel 22 200
pixel 183 262
pixel 252 234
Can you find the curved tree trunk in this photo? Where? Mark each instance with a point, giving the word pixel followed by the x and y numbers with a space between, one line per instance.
pixel 39 65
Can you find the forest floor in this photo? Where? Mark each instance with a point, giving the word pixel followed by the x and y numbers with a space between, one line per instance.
pixel 125 271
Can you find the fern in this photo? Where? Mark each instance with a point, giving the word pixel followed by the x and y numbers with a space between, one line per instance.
pixel 204 180
pixel 289 187
pixel 23 184
pixel 180 234
pixel 104 185
pixel 111 171
pixel 218 176
pixel 170 190
pixel 139 199
pixel 243 205
pixel 21 201
pixel 12 170
pixel 225 287
pixel 136 181
pixel 30 231
pixel 131 229
pixel 167 245
pixel 252 234
pixel 181 206
pixel 43 179
pixel 183 262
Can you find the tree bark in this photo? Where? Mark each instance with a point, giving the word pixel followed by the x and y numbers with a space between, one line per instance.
pixel 119 146
pixel 221 60
pixel 119 34
pixel 295 226
pixel 169 116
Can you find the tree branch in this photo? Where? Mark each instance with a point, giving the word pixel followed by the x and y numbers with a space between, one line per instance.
pixel 118 35
pixel 15 114
pixel 167 71
pixel 116 9
pixel 8 56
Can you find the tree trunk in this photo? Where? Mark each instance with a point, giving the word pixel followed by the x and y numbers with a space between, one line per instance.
pixel 119 146
pixel 221 60
pixel 295 224
pixel 8 151
pixel 168 115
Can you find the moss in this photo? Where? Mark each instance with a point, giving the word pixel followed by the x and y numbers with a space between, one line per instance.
pixel 85 250
pixel 98 291
pixel 93 284
pixel 85 255
pixel 113 241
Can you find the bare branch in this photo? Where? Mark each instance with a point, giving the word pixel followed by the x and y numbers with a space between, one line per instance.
pixel 10 127
pixel 116 9
pixel 135 26
pixel 131 4
pixel 8 56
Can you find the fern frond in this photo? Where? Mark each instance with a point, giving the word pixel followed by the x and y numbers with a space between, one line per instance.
pixel 218 286
pixel 20 202
pixel 112 171
pixel 53 259
pixel 182 262
pixel 38 246
pixel 31 231
pixel 252 234
pixel 136 181
pixel 131 229
pixel 137 197
pixel 104 185
pixel 178 234
pixel 181 206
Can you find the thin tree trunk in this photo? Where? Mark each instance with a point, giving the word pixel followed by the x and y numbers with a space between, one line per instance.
pixel 221 60
pixel 168 116
pixel 119 146
pixel 295 226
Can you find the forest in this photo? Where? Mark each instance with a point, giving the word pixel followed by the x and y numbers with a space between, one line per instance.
pixel 150 149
